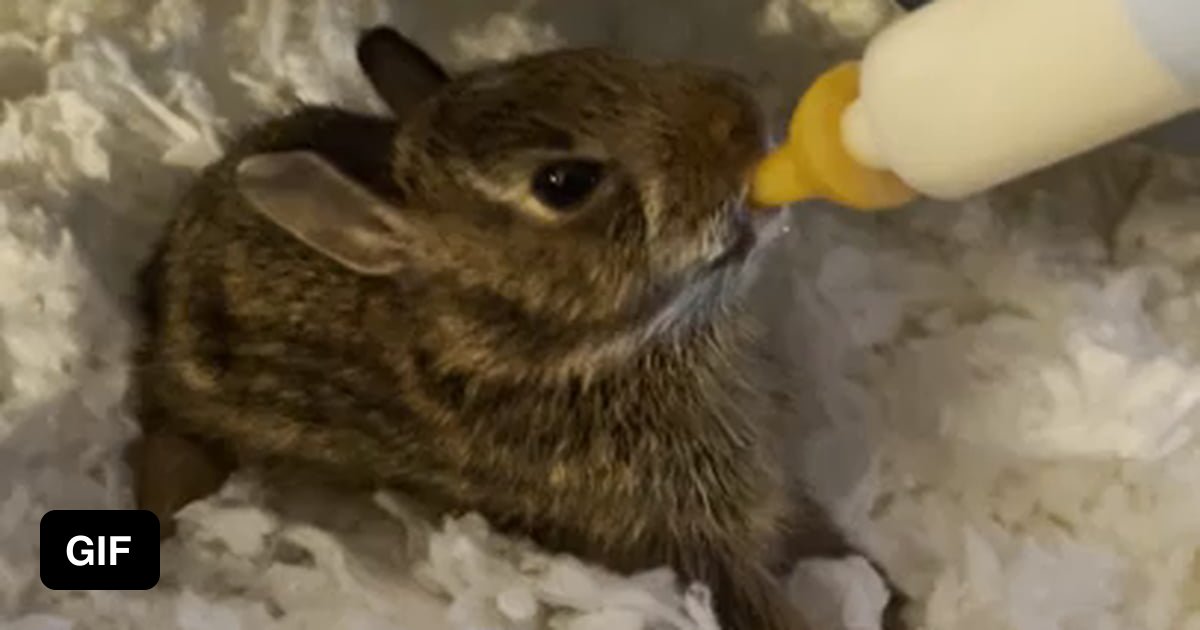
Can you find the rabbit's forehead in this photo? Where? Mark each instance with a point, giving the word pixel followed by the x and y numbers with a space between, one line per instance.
pixel 582 93
pixel 567 119
pixel 574 81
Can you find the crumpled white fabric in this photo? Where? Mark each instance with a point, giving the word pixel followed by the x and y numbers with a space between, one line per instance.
pixel 1005 389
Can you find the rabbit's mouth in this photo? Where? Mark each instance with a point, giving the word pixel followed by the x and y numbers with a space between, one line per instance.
pixel 738 236
pixel 741 241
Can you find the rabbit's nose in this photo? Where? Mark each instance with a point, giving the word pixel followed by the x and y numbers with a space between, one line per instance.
pixel 735 127
pixel 720 128
pixel 726 112
pixel 734 117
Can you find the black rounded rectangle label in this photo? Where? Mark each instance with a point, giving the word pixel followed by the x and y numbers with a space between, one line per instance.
pixel 99 550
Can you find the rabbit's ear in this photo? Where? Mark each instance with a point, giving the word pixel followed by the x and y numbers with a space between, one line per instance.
pixel 400 71
pixel 313 201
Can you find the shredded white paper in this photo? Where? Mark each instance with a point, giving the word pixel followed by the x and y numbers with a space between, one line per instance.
pixel 1004 392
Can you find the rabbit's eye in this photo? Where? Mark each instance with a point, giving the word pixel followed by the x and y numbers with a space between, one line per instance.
pixel 563 185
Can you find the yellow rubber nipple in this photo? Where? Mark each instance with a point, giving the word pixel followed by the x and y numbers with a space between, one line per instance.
pixel 813 162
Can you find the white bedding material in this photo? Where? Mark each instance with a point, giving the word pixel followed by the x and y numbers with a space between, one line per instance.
pixel 1008 387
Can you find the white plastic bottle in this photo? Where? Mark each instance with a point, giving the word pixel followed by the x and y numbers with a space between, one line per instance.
pixel 962 95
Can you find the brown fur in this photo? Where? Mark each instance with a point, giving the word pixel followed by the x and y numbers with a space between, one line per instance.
pixel 541 373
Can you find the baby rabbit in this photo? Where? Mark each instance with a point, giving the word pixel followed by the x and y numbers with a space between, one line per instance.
pixel 510 298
